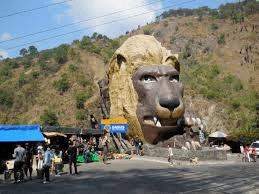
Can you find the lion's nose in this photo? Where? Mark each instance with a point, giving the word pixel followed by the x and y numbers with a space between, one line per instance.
pixel 170 104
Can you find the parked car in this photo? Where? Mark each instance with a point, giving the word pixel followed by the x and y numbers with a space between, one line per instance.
pixel 256 145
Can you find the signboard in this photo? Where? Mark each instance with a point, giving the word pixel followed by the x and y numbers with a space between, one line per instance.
pixel 118 125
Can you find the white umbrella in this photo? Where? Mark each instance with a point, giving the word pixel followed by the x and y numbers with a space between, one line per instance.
pixel 218 134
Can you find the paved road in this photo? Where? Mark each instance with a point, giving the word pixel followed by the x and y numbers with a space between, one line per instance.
pixel 143 176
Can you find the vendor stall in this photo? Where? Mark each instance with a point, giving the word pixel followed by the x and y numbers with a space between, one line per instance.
pixel 10 135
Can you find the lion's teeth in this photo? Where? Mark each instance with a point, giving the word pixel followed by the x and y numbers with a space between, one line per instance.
pixel 158 124
pixel 155 119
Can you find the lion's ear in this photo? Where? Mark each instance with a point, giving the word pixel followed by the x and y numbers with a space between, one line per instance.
pixel 172 60
pixel 121 61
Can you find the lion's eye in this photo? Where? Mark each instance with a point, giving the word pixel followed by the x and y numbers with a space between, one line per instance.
pixel 148 79
pixel 174 78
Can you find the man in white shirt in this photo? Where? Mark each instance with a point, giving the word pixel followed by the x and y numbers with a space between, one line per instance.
pixel 170 154
pixel 19 155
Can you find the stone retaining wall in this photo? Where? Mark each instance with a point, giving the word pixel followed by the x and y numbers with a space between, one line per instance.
pixel 180 154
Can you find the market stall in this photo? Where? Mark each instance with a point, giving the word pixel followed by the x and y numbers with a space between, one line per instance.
pixel 10 135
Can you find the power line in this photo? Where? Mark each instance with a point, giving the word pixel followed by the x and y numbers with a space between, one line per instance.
pixel 95 26
pixel 29 10
pixel 51 29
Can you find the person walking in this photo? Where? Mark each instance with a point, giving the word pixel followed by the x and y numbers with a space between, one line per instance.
pixel 19 155
pixel 28 160
pixel 105 149
pixel 52 165
pixel 170 154
pixel 137 145
pixel 254 154
pixel 72 152
pixel 47 158
pixel 246 153
pixel 40 156
pixel 85 144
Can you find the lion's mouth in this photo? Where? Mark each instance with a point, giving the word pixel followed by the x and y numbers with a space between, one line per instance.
pixel 159 122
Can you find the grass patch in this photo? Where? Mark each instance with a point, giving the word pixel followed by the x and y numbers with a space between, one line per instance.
pixel 81 115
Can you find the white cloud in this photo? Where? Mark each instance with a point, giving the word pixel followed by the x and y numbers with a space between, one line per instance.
pixel 85 10
pixel 6 36
pixel 3 53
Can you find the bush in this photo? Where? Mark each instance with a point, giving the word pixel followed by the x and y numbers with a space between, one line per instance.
pixel 214 70
pixel 187 52
pixel 72 68
pixel 147 31
pixel 74 54
pixel 11 63
pixel 165 24
pixel 233 82
pixel 61 53
pixel 6 99
pixel 6 72
pixel 221 38
pixel 46 55
pixel 85 82
pixel 76 42
pixel 173 38
pixel 26 63
pixel 85 42
pixel 214 26
pixel 81 97
pixel 49 118
pixel 21 80
pixel 81 115
pixel 115 44
pixel 53 68
pixel 42 64
pixel 62 84
pixel 34 75
pixel 47 69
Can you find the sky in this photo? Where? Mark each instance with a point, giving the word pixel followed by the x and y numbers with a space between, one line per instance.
pixel 47 24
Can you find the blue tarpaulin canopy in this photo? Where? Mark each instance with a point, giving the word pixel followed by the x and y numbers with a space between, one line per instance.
pixel 17 133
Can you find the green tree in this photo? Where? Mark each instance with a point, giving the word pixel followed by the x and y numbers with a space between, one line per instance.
pixel 94 36
pixel 61 53
pixel 33 50
pixel 85 42
pixel 23 52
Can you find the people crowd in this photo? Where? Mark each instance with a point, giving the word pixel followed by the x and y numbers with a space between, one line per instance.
pixel 50 160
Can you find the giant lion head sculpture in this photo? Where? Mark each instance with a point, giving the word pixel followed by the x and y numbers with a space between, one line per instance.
pixel 144 88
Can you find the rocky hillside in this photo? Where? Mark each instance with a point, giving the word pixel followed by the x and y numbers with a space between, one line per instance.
pixel 219 67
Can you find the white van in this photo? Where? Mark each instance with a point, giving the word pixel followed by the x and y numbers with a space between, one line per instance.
pixel 256 145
